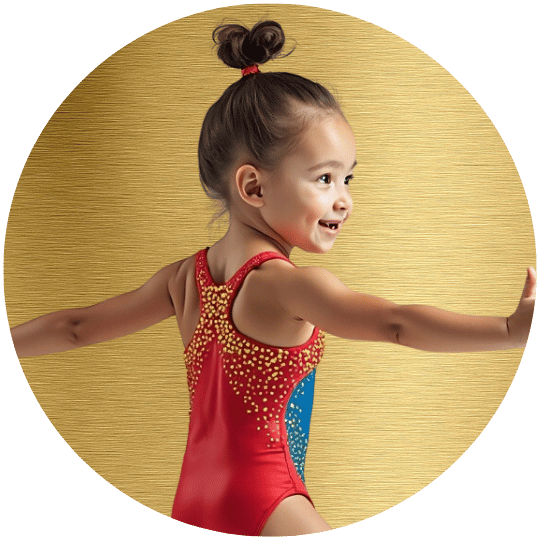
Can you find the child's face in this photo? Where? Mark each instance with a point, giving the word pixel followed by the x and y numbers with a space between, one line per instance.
pixel 309 190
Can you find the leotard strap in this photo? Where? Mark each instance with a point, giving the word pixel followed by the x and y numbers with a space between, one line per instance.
pixel 230 287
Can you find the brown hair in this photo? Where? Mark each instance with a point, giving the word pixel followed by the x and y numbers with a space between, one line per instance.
pixel 257 115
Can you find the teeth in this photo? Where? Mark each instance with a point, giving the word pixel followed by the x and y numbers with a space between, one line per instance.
pixel 329 225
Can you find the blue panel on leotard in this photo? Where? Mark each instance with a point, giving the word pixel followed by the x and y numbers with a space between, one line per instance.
pixel 298 420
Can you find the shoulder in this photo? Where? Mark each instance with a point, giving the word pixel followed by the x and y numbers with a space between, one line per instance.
pixel 179 272
pixel 179 268
pixel 180 275
pixel 285 282
pixel 283 273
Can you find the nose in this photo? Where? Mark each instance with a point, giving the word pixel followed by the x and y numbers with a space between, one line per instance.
pixel 343 202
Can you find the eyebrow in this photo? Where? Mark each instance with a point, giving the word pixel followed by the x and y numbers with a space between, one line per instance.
pixel 330 163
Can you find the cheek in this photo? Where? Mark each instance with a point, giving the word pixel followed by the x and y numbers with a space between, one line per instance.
pixel 312 201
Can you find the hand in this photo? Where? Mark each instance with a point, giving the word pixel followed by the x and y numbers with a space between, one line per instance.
pixel 519 323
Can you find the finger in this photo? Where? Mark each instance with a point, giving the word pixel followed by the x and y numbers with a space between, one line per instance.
pixel 529 290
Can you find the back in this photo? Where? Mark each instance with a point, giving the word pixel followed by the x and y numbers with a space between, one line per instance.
pixel 249 416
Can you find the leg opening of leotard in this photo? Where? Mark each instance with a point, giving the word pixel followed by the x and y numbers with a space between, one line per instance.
pixel 271 509
pixel 292 517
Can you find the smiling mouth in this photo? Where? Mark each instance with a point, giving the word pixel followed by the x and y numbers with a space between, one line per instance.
pixel 333 225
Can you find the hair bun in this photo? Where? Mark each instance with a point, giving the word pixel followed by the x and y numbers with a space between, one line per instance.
pixel 239 47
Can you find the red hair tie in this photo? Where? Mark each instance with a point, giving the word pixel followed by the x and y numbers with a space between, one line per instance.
pixel 250 69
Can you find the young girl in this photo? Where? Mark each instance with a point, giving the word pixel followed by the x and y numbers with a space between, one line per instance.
pixel 278 153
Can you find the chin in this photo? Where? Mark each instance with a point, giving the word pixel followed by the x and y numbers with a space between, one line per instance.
pixel 310 245
pixel 315 248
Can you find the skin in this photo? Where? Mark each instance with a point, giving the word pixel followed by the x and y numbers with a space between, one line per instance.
pixel 278 303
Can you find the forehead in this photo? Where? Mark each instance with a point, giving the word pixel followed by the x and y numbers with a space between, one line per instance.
pixel 325 137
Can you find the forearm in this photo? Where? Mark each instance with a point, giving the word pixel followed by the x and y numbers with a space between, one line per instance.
pixel 432 329
pixel 54 332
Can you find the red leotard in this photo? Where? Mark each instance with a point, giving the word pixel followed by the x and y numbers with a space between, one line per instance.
pixel 250 406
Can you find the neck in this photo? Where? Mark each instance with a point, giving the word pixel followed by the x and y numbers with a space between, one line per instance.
pixel 251 237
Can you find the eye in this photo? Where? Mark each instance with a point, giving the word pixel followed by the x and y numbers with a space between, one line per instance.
pixel 325 178
pixel 348 179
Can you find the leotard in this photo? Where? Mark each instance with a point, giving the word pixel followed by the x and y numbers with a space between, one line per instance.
pixel 250 412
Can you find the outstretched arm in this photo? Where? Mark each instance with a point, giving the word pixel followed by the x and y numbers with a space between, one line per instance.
pixel 433 329
pixel 115 317
pixel 317 296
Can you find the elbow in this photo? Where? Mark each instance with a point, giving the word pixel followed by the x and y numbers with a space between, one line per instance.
pixel 394 331
pixel 394 326
pixel 73 330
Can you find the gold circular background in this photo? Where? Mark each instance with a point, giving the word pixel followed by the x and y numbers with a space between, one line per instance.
pixel 110 194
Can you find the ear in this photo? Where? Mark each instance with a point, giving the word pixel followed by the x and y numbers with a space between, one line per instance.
pixel 248 182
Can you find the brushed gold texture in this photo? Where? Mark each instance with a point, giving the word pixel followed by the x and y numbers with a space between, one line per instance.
pixel 110 194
